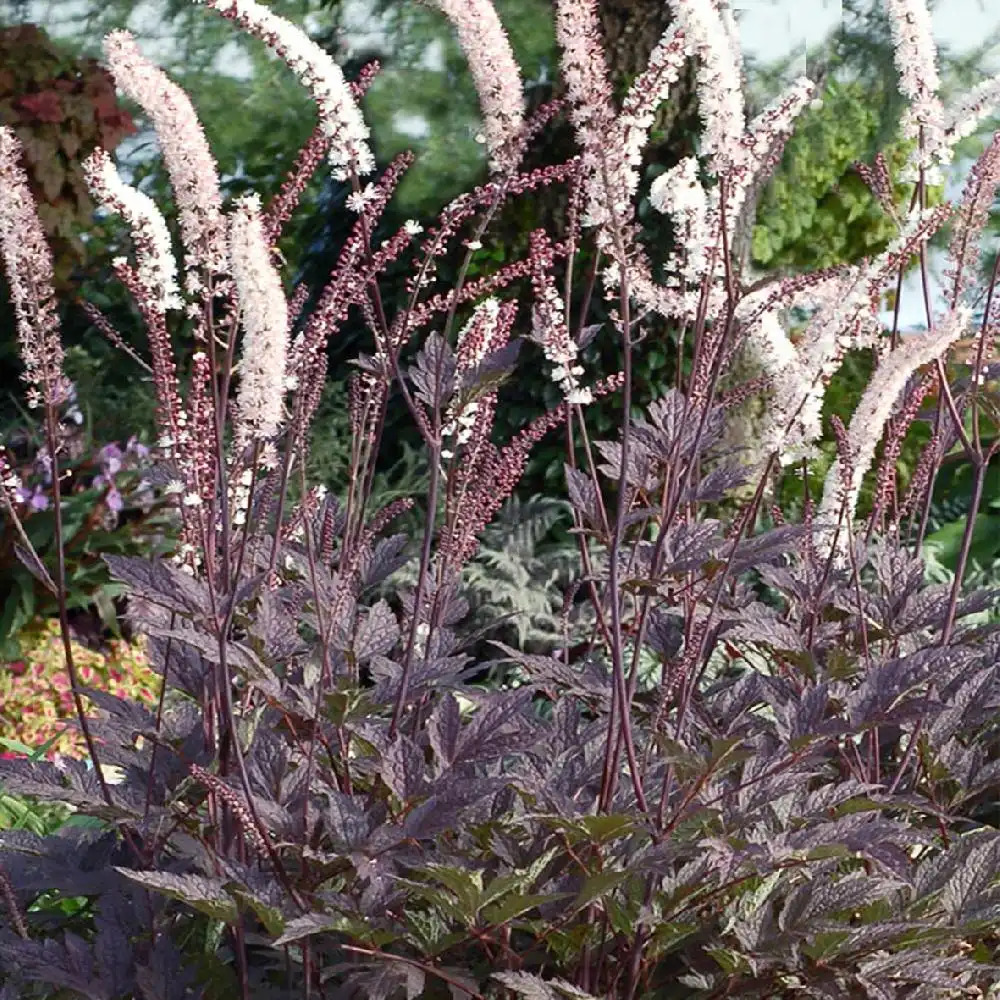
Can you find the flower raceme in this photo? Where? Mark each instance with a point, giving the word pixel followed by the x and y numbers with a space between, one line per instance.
pixel 28 263
pixel 496 74
pixel 234 290
pixel 264 313
pixel 712 720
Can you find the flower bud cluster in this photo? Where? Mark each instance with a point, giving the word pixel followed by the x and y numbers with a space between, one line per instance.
pixel 549 326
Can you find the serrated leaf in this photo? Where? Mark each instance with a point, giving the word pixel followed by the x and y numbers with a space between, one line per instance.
pixel 433 372
pixel 378 633
pixel 206 895
pixel 444 729
pixel 403 768
pixel 307 925
pixel 269 915
pixel 517 904
pixel 598 886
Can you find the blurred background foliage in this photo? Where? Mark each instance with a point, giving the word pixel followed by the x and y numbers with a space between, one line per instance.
pixel 814 213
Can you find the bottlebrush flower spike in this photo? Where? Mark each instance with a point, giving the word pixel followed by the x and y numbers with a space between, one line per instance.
pixel 609 181
pixel 192 169
pixel 650 89
pixel 916 61
pixel 794 411
pixel 972 217
pixel 496 74
pixel 970 109
pixel 28 263
pixel 876 407
pixel 765 137
pixel 549 327
pixel 157 270
pixel 487 330
pixel 679 194
pixel 264 312
pixel 720 87
pixel 339 115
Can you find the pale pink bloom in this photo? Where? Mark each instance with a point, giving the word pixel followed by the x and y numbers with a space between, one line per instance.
pixel 482 334
pixel 972 217
pixel 549 330
pixel 649 90
pixel 916 62
pixel 264 314
pixel 157 271
pixel 339 115
pixel 876 407
pixel 496 74
pixel 793 421
pixel 970 109
pixel 720 86
pixel 28 263
pixel 193 172
pixel 798 374
pixel 679 193
pixel 730 27
pixel 609 179
pixel 649 294
pixel 765 137
pixel 847 318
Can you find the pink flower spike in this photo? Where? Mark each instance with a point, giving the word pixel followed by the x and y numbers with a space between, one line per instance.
pixel 339 115
pixel 876 407
pixel 28 263
pixel 157 271
pixel 496 74
pixel 192 169
pixel 720 85
pixel 265 321
pixel 919 83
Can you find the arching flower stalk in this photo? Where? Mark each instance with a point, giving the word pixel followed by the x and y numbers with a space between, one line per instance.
pixel 157 268
pixel 720 84
pixel 496 75
pixel 872 413
pixel 194 175
pixel 339 115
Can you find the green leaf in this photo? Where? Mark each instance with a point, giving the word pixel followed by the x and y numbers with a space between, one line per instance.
pixel 520 880
pixel 206 895
pixel 466 886
pixel 307 925
pixel 270 916
pixel 599 886
pixel 516 904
